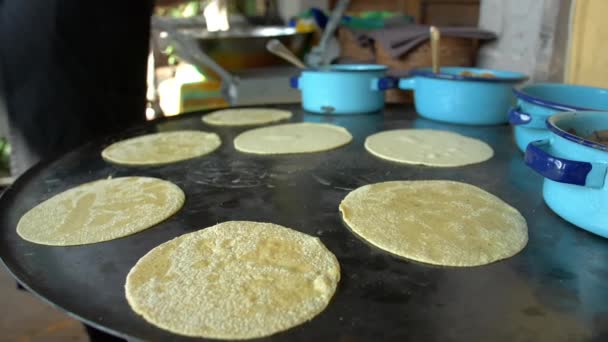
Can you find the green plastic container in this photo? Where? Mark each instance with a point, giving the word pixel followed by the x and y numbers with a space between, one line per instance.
pixel 374 20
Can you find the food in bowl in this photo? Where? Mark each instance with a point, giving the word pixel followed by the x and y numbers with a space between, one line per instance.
pixel 467 73
pixel 597 136
pixel 600 137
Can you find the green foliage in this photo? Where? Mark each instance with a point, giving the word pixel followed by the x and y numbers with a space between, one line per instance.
pixel 5 153
pixel 184 10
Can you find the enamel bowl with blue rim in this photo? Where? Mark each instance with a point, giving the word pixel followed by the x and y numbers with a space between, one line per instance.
pixel 573 160
pixel 470 96
pixel 344 88
pixel 535 103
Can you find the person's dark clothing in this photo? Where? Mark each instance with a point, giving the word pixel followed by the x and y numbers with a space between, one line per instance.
pixel 71 71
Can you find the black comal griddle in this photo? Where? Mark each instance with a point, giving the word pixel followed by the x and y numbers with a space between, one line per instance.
pixel 555 289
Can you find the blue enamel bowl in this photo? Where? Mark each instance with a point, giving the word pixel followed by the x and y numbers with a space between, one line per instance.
pixel 535 103
pixel 449 96
pixel 344 88
pixel 575 169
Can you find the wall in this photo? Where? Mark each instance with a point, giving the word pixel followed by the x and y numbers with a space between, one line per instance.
pixel 290 8
pixel 532 37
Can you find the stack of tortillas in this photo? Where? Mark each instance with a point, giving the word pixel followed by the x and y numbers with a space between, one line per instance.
pixel 235 280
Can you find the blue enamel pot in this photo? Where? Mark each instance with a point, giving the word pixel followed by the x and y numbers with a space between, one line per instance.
pixel 344 88
pixel 574 167
pixel 535 103
pixel 449 96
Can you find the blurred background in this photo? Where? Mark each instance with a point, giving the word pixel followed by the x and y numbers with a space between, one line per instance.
pixel 550 40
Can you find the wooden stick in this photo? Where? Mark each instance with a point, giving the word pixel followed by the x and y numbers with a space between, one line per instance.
pixel 435 39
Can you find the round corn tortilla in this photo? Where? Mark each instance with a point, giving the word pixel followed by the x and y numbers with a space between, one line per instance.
pixel 437 222
pixel 99 211
pixel 245 116
pixel 428 147
pixel 161 148
pixel 292 138
pixel 234 280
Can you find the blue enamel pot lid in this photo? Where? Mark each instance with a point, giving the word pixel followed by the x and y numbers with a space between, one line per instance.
pixel 455 74
pixel 526 96
pixel 553 122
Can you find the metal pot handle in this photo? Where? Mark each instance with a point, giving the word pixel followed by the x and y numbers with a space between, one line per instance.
pixel 294 82
pixel 516 117
pixel 539 158
pixel 408 83
pixel 384 83
pixel 318 56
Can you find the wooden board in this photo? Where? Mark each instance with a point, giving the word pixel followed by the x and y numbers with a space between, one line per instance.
pixel 587 61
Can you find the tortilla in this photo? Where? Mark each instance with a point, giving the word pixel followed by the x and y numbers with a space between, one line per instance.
pixel 161 148
pixel 437 222
pixel 245 116
pixel 292 138
pixel 234 280
pixel 100 211
pixel 428 147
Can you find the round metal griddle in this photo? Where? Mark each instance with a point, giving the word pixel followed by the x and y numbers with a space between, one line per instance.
pixel 555 289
